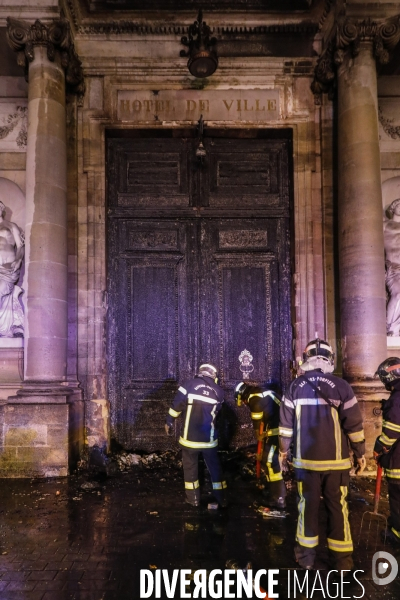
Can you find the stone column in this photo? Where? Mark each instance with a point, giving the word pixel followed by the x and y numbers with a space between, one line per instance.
pixel 353 50
pixel 361 252
pixel 41 420
pixel 47 53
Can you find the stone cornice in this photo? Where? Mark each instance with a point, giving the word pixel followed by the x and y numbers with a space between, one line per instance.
pixel 89 25
pixel 23 37
pixel 121 27
pixel 347 37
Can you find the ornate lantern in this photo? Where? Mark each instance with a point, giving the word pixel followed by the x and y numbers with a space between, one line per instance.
pixel 203 59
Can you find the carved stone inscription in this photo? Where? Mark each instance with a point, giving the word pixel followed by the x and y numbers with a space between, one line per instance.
pixel 188 105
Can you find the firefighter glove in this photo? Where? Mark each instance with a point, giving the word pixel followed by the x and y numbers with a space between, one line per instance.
pixel 361 464
pixel 283 463
pixel 259 457
pixel 169 430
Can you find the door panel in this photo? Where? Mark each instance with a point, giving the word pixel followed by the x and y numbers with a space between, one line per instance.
pixel 198 271
pixel 240 260
pixel 150 175
pixel 245 173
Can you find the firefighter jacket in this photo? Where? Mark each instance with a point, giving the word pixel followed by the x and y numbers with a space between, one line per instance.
pixel 390 435
pixel 320 415
pixel 264 407
pixel 199 400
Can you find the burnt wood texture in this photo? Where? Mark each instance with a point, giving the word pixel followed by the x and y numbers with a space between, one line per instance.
pixel 198 270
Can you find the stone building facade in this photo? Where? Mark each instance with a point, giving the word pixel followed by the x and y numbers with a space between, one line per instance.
pixel 171 219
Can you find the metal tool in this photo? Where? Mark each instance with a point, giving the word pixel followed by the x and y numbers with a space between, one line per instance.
pixel 374 515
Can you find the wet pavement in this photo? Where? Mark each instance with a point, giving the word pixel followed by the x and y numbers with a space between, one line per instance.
pixel 88 536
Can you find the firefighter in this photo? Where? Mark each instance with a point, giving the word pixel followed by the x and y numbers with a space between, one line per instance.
pixel 387 448
pixel 199 400
pixel 320 415
pixel 264 407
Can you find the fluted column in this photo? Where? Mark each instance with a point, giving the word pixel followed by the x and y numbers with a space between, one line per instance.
pixel 47 53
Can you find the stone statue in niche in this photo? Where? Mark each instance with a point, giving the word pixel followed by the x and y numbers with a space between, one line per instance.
pixel 391 231
pixel 12 250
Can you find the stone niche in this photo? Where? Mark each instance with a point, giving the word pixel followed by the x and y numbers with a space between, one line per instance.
pixel 34 435
pixel 12 348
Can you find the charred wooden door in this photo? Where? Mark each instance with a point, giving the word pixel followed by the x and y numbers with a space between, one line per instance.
pixel 198 268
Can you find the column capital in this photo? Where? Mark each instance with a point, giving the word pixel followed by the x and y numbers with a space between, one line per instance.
pixel 56 36
pixel 347 38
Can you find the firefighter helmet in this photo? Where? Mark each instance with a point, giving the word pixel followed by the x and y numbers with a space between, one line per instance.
pixel 389 371
pixel 240 389
pixel 318 354
pixel 207 370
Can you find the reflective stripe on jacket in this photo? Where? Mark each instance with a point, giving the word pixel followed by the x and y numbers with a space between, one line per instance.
pixel 199 401
pixel 319 428
pixel 390 434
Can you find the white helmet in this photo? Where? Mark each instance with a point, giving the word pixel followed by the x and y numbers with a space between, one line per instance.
pixel 318 354
pixel 207 370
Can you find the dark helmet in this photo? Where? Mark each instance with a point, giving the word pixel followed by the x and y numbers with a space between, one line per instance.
pixel 389 371
pixel 240 393
pixel 207 370
pixel 319 348
pixel 243 391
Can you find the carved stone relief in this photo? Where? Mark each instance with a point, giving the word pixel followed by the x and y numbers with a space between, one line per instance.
pixel 388 124
pixel 347 37
pixel 243 239
pixel 152 240
pixel 13 126
pixel 56 37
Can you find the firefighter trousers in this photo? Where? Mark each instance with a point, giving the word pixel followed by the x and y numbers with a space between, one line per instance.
pixel 190 462
pixel 333 487
pixel 275 484
pixel 394 505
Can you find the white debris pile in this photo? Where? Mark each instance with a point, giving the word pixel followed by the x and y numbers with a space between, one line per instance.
pixel 126 460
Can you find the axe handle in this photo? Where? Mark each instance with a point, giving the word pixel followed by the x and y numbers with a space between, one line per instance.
pixel 377 488
pixel 259 450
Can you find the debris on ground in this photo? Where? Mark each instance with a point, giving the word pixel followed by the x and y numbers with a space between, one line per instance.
pixel 268 513
pixel 89 485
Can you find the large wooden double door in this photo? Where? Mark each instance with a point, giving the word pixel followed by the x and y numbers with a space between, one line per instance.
pixel 198 268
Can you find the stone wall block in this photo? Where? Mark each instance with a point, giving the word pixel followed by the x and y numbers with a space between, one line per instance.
pixel 35 441
pixel 98 423
pixel 46 78
pixel 50 246
pixel 48 280
pixel 54 211
pixel 11 365
pixel 76 431
pixel 372 423
pixel 35 435
pixel 48 359
pixel 47 121
pixel 51 160
pixel 48 321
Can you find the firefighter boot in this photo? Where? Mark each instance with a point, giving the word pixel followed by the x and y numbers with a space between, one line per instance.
pixel 220 496
pixel 193 497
